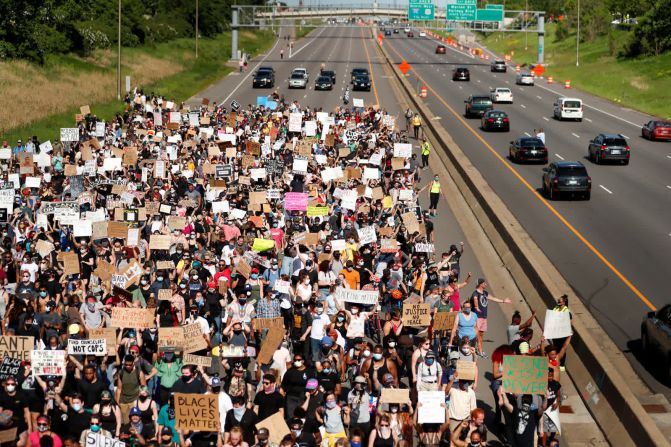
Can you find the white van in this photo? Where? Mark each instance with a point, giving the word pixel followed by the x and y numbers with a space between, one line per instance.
pixel 568 108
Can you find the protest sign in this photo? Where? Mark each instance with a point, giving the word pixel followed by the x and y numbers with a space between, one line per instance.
pixel 69 134
pixel 432 410
pixel 17 347
pixel 8 435
pixel 402 150
pixel 97 346
pixel 416 314
pixel 232 351
pixel 315 211
pixel 365 297
pixel 388 245
pixel 367 235
pixel 10 367
pixel 295 122
pixel 164 294
pixel 424 248
pixel 48 363
pixel 197 412
pixel 557 325
pixel 171 337
pixel 465 370
pixel 127 317
pixel 525 374
pixel 277 427
pixel 270 345
pixel 395 396
pixel 198 360
pixel 109 334
pixel 444 321
pixel 267 323
pixel 159 242
pixel 193 338
pixel 100 440
pixel 282 286
pixel 296 201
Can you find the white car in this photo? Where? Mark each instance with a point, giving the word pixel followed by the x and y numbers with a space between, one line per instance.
pixel 422 34
pixel 524 79
pixel 297 80
pixel 301 71
pixel 407 30
pixel 501 94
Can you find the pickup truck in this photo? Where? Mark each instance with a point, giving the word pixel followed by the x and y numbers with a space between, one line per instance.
pixel 477 105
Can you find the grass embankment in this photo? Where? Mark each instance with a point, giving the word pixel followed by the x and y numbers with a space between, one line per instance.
pixel 302 30
pixel 41 100
pixel 643 84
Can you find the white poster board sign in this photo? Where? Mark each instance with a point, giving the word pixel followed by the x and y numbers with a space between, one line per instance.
pixel 557 325
pixel 432 410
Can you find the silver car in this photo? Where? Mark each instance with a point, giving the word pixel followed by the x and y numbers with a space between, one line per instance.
pixel 297 80
pixel 524 79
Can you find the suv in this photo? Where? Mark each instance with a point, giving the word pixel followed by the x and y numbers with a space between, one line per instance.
pixel 301 71
pixel 528 149
pixel 358 72
pixel 655 341
pixel 329 74
pixel 361 83
pixel 608 147
pixel 499 66
pixel 566 176
pixel 477 105
pixel 297 80
pixel 461 74
pixel 323 83
pixel 264 77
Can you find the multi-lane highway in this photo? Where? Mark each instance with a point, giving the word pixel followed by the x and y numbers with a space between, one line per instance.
pixel 614 249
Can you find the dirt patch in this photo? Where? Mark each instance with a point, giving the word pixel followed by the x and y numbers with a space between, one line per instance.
pixel 639 83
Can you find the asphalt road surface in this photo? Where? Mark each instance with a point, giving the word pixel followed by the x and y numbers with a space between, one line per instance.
pixel 614 250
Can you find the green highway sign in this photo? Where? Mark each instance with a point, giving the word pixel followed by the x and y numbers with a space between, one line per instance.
pixel 489 15
pixel 421 10
pixel 500 7
pixel 461 10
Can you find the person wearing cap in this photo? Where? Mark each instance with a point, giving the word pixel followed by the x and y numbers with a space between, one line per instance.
pixel 166 438
pixel 429 373
pixel 43 429
pixel 135 432
pixel 148 410
pixel 359 401
pixel 462 400
pixel 314 399
pixel 301 435
pixel 109 413
pixel 352 276
pixel 95 427
pixel 480 303
pixel 263 438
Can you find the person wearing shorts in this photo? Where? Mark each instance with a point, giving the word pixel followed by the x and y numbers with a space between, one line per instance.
pixel 480 301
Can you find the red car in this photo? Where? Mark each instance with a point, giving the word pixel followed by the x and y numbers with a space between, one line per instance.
pixel 657 130
pixel 440 49
pixel 411 34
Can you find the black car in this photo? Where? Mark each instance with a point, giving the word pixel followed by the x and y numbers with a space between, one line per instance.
pixel 358 72
pixel 329 74
pixel 477 105
pixel 495 120
pixel 361 83
pixel 607 147
pixel 566 176
pixel 264 77
pixel 528 149
pixel 499 66
pixel 461 74
pixel 656 339
pixel 387 33
pixel 395 30
pixel 324 83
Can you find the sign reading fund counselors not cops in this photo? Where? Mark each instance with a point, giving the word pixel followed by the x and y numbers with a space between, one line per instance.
pixel 524 374
pixel 97 346
pixel 364 297
pixel 197 412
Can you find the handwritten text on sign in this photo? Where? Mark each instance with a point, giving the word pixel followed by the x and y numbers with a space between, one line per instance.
pixel 88 347
pixel 100 440
pixel 364 297
pixel 48 363
pixel 16 347
pixel 416 314
pixel 557 325
pixel 296 201
pixel 197 412
pixel 525 375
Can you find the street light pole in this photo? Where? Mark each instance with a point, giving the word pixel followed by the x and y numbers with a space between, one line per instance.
pixel 196 29
pixel 526 33
pixel 118 61
pixel 577 40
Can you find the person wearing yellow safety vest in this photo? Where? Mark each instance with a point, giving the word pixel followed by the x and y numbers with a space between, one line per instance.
pixel 416 125
pixel 426 150
pixel 434 194
pixel 561 344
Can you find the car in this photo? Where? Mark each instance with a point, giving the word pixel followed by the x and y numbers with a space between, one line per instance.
pixel 477 105
pixel 395 30
pixel 495 120
pixel 524 79
pixel 323 83
pixel 361 83
pixel 387 33
pixel 566 177
pixel 411 34
pixel 406 30
pixel 656 130
pixel 461 74
pixel 264 77
pixel 528 149
pixel 606 146
pixel 502 94
pixel 655 340
pixel 440 49
pixel 422 34
pixel 358 72
pixel 330 73
pixel 568 108
pixel 499 65
pixel 297 80
pixel 301 71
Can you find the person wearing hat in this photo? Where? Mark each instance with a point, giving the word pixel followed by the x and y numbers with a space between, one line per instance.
pixel 301 435
pixel 135 431
pixel 109 413
pixel 263 438
pixel 429 373
pixel 167 438
pixel 480 302
pixel 359 401
pixel 44 429
pixel 148 410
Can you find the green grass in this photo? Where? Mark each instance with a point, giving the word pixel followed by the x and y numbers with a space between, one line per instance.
pixel 643 84
pixel 196 76
pixel 301 31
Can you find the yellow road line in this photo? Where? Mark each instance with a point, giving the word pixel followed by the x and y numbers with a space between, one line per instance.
pixel 370 68
pixel 554 211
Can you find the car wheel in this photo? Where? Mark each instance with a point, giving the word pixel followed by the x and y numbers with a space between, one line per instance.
pixel 580 120
pixel 625 162
pixel 587 195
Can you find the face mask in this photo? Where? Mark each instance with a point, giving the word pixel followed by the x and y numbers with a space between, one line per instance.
pixel 429 361
pixel 274 267
pixel 194 277
pixel 297 433
pixel 366 353
pixel 91 307
pixel 238 412
pixel 43 294
pixel 349 269
pixel 467 311
pixel 42 428
pixel 392 344
pixel 393 409
pixel 77 407
pixel 242 301
pixel 166 441
pixel 182 286
pixel 95 428
pixel 144 282
pixel 144 398
pixel 341 318
pixel 474 444
pixel 298 363
pixel 355 311
pixel 355 444
pixel 159 278
pixel 385 431
pixel 377 356
pixel 320 311
pixel 330 404
pixel 466 350
pixel 255 276
pixel 327 370
pixel 186 378
pixel 11 388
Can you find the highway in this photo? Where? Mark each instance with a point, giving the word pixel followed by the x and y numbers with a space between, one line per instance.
pixel 614 249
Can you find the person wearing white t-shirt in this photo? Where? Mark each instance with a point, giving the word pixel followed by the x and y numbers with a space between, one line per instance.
pixel 318 330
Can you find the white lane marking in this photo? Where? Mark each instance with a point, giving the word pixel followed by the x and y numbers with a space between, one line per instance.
pixel 523 106
pixel 668 186
pixel 668 156
pixel 626 137
pixel 251 71
pixel 606 189
pixel 559 156
pixel 546 118
pixel 588 120
pixel 575 135
pixel 537 96
pixel 303 47
pixel 460 87
pixel 507 82
pixel 527 134
pixel 478 80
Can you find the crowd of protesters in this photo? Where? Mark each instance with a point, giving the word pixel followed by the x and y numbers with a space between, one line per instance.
pixel 233 214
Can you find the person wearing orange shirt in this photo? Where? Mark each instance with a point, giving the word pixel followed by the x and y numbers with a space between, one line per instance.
pixel 352 276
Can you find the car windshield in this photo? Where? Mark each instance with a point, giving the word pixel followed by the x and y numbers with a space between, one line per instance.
pixel 531 142
pixel 263 72
pixel 615 142
pixel 497 114
pixel 572 104
pixel 323 79
pixel 462 70
pixel 296 76
pixel 499 62
pixel 572 171
pixel 328 73
pixel 661 124
pixel 502 90
pixel 481 100
pixel 361 79
pixel 359 71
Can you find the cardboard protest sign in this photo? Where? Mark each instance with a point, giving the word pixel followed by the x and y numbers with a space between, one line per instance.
pixel 109 334
pixel 105 270
pixel 93 346
pixel 10 367
pixel 416 315
pixel 164 294
pixel 127 317
pixel 232 351
pixel 159 242
pixel 198 360
pixel 557 325
pixel 171 337
pixel 270 345
pixel 365 297
pixel 48 363
pixel 466 370
pixel 70 263
pixel 432 410
pixel 193 338
pixel 118 230
pixel 243 268
pixel 277 427
pixel 388 245
pixel 282 286
pixel 525 374
pixel 444 321
pixel 16 347
pixel 410 221
pixel 267 323
pixel 197 412
pixel 424 248
pixel 395 396
pixel 8 435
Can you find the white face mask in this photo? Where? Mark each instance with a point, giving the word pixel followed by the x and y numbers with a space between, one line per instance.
pixel 11 388
pixel 366 353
